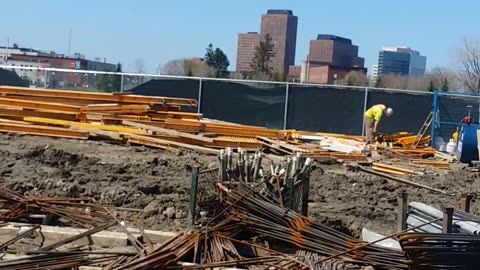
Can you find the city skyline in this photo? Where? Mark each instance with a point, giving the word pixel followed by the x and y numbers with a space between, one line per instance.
pixel 155 33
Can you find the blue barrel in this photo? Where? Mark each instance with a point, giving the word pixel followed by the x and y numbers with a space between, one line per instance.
pixel 467 149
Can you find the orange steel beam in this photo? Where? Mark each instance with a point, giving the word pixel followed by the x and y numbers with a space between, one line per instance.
pixel 39 105
pixel 10 90
pixel 115 108
pixel 219 143
pixel 67 101
pixel 161 115
pixel 43 131
pixel 30 113
pixel 220 129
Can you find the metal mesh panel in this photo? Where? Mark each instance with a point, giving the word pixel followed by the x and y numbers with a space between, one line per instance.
pixel 410 110
pixel 326 109
pixel 259 104
pixel 451 110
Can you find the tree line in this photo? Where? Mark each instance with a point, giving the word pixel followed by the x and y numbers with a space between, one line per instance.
pixel 464 77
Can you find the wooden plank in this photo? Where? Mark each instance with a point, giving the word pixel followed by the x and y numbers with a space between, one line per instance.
pixel 394 168
pixel 39 105
pixel 42 131
pixel 148 143
pixel 385 170
pixel 167 143
pixel 103 133
pixel 11 90
pixel 167 131
pixel 281 144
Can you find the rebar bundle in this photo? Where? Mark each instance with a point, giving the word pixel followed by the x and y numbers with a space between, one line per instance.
pixel 441 251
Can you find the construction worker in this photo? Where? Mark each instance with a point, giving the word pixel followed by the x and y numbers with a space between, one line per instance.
pixel 372 119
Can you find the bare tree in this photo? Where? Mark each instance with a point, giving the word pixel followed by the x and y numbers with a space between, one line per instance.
pixel 404 82
pixel 174 67
pixel 139 65
pixel 187 67
pixel 443 79
pixel 469 58
pixel 354 78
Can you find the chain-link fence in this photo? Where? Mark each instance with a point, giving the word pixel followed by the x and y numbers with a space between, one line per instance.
pixel 279 105
pixel 450 110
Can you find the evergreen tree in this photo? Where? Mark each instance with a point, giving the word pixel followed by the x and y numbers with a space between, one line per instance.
pixel 378 82
pixel 263 54
pixel 110 83
pixel 218 60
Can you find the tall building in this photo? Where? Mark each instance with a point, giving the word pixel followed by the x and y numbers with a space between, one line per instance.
pixel 282 26
pixel 330 59
pixel 401 61
pixel 334 50
pixel 246 50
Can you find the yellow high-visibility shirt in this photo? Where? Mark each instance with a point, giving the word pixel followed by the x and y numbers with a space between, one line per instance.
pixel 375 112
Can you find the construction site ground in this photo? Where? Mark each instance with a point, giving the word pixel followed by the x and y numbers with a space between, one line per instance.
pixel 159 182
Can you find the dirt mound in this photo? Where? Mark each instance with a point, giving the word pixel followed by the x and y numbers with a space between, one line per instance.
pixel 136 178
pixel 159 182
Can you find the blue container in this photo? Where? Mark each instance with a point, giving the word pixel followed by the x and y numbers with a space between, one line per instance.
pixel 467 149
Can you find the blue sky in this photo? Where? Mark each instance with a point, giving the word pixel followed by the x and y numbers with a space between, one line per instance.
pixel 156 31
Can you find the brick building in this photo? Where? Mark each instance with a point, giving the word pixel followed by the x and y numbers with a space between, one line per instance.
pixel 334 50
pixel 246 50
pixel 282 26
pixel 330 59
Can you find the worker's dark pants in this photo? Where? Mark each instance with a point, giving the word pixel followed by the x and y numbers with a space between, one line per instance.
pixel 369 125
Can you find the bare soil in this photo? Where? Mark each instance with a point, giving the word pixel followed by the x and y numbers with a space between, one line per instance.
pixel 159 182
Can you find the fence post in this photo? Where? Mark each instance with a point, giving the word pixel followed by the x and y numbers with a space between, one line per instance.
pixel 434 118
pixel 199 106
pixel 447 226
pixel 193 198
pixel 365 101
pixel 121 83
pixel 285 110
pixel 46 78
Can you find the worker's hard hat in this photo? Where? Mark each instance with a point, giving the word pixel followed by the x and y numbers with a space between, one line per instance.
pixel 389 112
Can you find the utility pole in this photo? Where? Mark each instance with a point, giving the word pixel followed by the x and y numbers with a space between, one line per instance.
pixel 69 40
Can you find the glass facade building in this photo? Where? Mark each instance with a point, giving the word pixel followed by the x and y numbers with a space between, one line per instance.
pixel 401 61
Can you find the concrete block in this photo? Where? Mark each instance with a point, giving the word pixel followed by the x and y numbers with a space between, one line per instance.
pixel 155 236
pixel 51 234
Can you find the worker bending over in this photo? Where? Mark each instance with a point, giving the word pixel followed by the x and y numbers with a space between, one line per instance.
pixel 372 119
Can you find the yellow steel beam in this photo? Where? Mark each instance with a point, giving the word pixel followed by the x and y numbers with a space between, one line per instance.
pixel 10 90
pixel 118 129
pixel 39 105
pixel 42 131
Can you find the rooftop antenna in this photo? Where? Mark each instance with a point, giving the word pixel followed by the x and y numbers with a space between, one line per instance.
pixel 69 40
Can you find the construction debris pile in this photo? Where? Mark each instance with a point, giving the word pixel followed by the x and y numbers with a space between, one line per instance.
pixel 159 122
